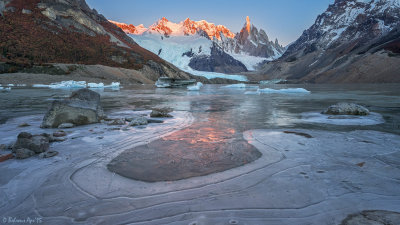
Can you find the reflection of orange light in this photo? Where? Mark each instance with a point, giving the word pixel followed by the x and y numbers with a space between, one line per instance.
pixel 202 135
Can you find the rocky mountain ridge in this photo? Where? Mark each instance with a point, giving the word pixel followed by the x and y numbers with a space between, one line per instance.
pixel 352 41
pixel 224 51
pixel 250 40
pixel 42 32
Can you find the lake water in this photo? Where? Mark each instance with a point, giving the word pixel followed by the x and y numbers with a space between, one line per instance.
pixel 230 108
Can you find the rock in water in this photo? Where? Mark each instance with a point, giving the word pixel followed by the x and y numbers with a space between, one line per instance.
pixel 344 108
pixel 164 112
pixel 35 143
pixel 137 121
pixel 117 122
pixel 23 153
pixel 81 108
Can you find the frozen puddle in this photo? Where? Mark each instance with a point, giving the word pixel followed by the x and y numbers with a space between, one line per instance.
pixel 316 117
pixel 303 177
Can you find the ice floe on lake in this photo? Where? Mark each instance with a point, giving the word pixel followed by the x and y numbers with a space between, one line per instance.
pixel 274 81
pixel 278 91
pixel 76 84
pixel 241 85
pixel 316 117
pixel 195 87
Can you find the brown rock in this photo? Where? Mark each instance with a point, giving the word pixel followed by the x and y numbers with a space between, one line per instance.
pixel 6 157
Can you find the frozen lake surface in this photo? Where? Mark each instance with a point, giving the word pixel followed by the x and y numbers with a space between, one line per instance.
pixel 312 169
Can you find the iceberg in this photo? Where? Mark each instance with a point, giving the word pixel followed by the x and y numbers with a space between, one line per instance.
pixel 5 89
pixel 274 81
pixel 252 93
pixel 241 85
pixel 76 84
pixel 113 85
pixel 68 84
pixel 95 85
pixel 284 91
pixel 195 87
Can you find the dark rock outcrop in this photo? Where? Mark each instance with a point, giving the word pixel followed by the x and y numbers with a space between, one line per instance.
pixel 218 61
pixel 255 42
pixel 81 108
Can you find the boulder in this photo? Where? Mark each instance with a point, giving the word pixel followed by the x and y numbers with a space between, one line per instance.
pixel 59 133
pixel 117 122
pixel 81 108
pixel 344 108
pixel 23 153
pixel 137 121
pixel 35 143
pixel 164 112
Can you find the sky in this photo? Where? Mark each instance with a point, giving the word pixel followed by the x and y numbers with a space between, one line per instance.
pixel 282 19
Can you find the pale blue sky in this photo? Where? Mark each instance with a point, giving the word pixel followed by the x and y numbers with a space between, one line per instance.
pixel 284 19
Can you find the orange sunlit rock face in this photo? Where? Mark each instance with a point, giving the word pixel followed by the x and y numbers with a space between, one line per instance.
pixel 187 27
pixel 248 24
pixel 129 28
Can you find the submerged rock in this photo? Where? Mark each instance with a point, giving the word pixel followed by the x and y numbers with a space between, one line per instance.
pixel 117 122
pixel 372 217
pixel 344 108
pixel 24 125
pixel 24 153
pixel 81 108
pixel 164 112
pixel 59 134
pixel 154 121
pixel 48 154
pixel 35 143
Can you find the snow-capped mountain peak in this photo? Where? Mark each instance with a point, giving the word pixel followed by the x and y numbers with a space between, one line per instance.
pixel 189 27
pixel 202 45
pixel 349 20
pixel 129 28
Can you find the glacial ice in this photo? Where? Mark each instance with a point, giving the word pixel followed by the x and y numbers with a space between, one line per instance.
pixel 283 91
pixel 76 84
pixel 95 85
pixel 241 85
pixel 278 91
pixel 195 87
